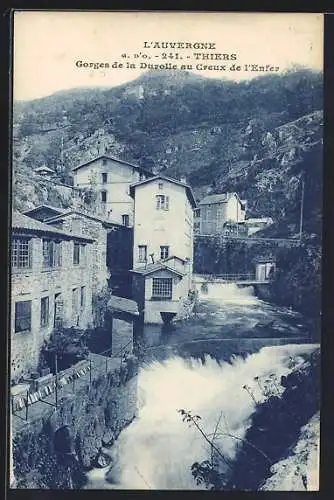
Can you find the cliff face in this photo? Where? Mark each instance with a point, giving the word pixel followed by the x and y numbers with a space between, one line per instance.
pixel 256 137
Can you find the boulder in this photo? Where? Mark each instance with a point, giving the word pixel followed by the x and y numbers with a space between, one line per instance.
pixel 108 438
pixel 102 460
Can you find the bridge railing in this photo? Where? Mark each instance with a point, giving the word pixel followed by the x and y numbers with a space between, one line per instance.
pixel 229 277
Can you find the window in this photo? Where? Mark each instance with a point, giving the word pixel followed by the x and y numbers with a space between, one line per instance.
pixel 161 185
pixel 57 254
pixel 75 305
pixel 82 296
pixel 104 196
pixel 142 253
pixel 51 253
pixel 76 253
pixel 48 253
pixel 162 288
pixel 58 311
pixel 164 252
pixel 162 202
pixel 21 253
pixel 104 178
pixel 44 311
pixel 22 316
pixel 79 253
pixel 82 254
pixel 104 161
pixel 125 220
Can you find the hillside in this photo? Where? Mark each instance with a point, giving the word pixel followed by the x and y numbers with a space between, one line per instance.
pixel 256 137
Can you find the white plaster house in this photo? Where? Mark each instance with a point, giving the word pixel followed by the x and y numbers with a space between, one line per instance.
pixel 111 178
pixel 217 209
pixel 162 246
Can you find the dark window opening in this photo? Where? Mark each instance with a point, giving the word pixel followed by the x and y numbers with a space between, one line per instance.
pixel 23 316
pixel 125 220
pixel 164 252
pixel 82 296
pixel 142 253
pixel 104 178
pixel 44 311
pixel 162 202
pixel 51 253
pixel 76 253
pixel 104 196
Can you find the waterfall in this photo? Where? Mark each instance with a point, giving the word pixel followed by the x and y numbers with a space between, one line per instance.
pixel 227 293
pixel 157 450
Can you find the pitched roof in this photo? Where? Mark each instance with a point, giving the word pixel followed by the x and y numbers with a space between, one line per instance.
pixel 24 224
pixel 216 198
pixel 108 157
pixel 45 169
pixel 123 305
pixel 175 257
pixel 32 211
pixel 188 189
pixel 83 214
pixel 158 266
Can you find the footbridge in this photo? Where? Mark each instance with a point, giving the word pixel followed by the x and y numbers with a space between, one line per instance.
pixel 247 279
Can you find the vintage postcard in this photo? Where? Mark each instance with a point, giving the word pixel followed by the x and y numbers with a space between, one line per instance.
pixel 166 250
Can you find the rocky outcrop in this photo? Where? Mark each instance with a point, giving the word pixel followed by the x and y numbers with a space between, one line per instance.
pixel 277 428
pixel 299 471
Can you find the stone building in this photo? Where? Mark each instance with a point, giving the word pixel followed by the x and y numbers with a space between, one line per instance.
pixel 162 247
pixel 218 209
pixel 51 286
pixel 110 178
pixel 112 247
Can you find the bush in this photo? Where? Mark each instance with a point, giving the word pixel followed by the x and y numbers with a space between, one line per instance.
pixel 68 345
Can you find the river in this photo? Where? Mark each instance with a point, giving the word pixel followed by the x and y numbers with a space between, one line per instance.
pixel 202 364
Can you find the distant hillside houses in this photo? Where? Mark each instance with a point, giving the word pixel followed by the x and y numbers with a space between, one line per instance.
pixel 225 213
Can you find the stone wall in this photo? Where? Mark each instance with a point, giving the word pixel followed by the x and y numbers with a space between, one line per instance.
pixel 37 282
pixel 92 417
pixel 91 228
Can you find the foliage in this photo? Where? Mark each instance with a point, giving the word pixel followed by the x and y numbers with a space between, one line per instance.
pixel 298 279
pixel 188 111
pixel 100 301
pixel 69 346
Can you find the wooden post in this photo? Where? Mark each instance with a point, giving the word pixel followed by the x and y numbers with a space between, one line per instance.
pixel 27 405
pixel 56 382
pixel 73 380
pixel 106 365
pixel 90 372
pixel 301 211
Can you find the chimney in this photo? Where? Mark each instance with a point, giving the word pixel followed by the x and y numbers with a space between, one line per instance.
pixel 183 179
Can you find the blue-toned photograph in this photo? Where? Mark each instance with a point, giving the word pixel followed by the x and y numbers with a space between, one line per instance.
pixel 166 216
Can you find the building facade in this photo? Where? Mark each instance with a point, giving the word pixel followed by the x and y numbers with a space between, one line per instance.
pixel 162 246
pixel 112 247
pixel 111 179
pixel 51 286
pixel 218 209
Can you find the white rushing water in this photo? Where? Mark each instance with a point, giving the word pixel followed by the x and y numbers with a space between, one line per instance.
pixel 157 450
pixel 228 293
